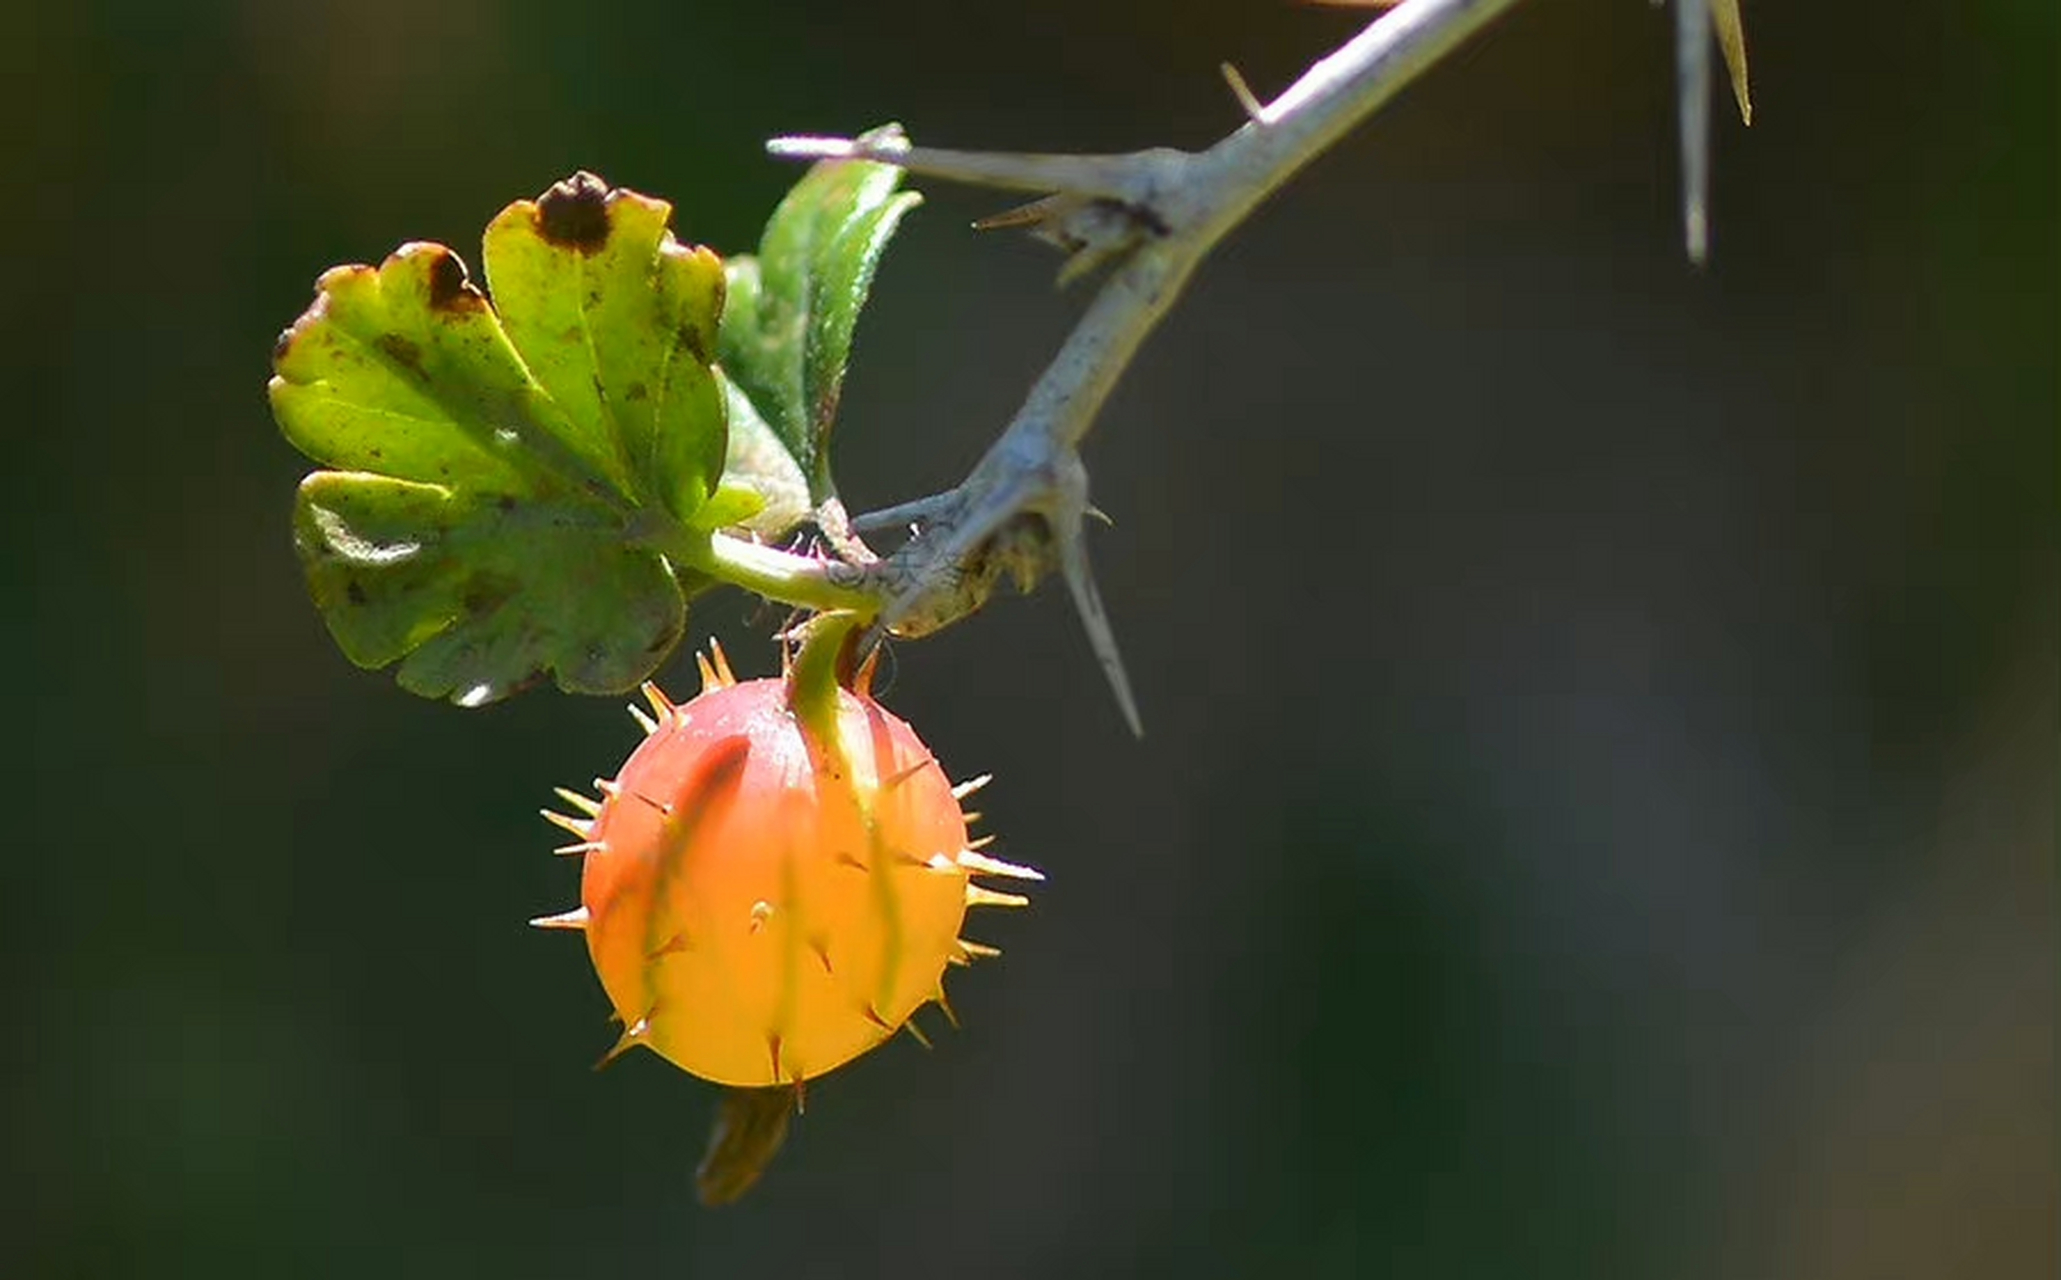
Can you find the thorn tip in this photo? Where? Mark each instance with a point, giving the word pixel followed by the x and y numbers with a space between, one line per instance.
pixel 722 662
pixel 1248 102
pixel 903 775
pixel 573 919
pixel 969 951
pixel 982 865
pixel 628 1040
pixel 585 804
pixel 971 785
pixel 977 896
pixel 1080 581
pixel 572 826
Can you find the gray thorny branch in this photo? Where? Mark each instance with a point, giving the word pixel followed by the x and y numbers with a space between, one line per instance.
pixel 1149 217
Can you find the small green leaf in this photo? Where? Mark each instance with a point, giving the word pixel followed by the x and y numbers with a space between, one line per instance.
pixel 787 329
pixel 759 462
pixel 843 279
pixel 501 465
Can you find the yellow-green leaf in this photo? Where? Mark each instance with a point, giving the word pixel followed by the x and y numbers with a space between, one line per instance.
pixel 499 465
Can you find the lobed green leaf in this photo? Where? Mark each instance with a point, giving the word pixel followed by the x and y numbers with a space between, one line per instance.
pixel 500 465
pixel 477 594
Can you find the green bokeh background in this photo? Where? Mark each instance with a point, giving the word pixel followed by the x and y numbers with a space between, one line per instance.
pixel 1597 817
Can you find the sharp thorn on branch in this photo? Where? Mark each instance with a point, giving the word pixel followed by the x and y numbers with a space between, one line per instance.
pixel 1248 102
pixel 1080 580
pixel 1150 217
pixel 1021 215
pixel 1697 23
pixel 1731 38
pixel 1125 176
pixel 1692 85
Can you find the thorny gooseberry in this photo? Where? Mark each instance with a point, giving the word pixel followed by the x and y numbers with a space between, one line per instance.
pixel 775 880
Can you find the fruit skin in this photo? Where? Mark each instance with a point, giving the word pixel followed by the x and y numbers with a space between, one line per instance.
pixel 765 901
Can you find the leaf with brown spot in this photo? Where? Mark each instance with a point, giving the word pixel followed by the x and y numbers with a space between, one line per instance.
pixel 617 320
pixel 495 481
pixel 374 378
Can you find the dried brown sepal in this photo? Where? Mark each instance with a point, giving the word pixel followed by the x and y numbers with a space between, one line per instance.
pixel 751 1125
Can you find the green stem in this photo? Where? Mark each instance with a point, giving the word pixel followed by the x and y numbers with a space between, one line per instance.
pixel 813 682
pixel 802 581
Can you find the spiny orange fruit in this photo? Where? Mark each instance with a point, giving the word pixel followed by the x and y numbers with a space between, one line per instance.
pixel 775 880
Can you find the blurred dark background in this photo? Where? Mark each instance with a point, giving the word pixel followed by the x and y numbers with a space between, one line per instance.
pixel 1597 813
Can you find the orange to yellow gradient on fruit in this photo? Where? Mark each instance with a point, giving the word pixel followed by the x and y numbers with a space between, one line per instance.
pixel 775 880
